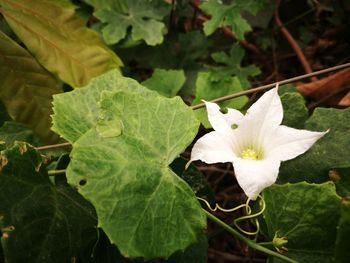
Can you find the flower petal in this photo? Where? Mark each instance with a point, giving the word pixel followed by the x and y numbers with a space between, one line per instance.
pixel 254 176
pixel 287 143
pixel 222 122
pixel 213 148
pixel 267 111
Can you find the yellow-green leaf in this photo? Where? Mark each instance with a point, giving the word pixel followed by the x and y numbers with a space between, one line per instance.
pixel 59 40
pixel 26 88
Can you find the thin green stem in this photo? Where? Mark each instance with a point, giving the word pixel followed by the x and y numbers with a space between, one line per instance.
pixel 248 241
pixel 272 85
pixel 54 172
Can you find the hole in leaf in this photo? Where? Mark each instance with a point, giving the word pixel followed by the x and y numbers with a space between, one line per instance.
pixel 82 182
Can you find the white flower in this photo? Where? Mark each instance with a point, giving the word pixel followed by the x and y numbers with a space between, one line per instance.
pixel 255 143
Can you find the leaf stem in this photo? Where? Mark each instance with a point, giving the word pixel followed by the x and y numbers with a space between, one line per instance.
pixel 53 146
pixel 265 243
pixel 248 241
pixel 54 172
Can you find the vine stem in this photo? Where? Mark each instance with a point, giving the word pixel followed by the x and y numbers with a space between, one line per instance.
pixel 272 85
pixel 248 241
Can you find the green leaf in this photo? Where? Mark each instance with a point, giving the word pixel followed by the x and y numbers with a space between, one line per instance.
pixel 342 252
pixel 59 40
pixel 167 82
pixel 26 88
pixel 307 215
pixel 78 111
pixel 294 110
pixel 208 90
pixel 196 253
pixel 143 17
pixel 143 207
pixel 13 131
pixel 40 222
pixel 332 151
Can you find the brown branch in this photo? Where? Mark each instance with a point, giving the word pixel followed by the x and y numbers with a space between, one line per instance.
pixel 288 36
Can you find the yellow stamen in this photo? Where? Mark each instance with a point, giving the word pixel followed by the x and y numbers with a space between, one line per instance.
pixel 249 154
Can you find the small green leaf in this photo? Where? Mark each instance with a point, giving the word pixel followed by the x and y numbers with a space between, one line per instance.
pixel 40 222
pixel 143 17
pixel 228 15
pixel 305 214
pixel 231 66
pixel 26 88
pixel 166 82
pixel 208 90
pixel 59 39
pixel 332 151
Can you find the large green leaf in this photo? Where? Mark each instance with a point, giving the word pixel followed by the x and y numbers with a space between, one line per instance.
pixel 332 151
pixel 208 90
pixel 59 40
pixel 26 88
pixel 39 221
pixel 342 252
pixel 166 82
pixel 77 111
pixel 307 215
pixel 143 17
pixel 142 205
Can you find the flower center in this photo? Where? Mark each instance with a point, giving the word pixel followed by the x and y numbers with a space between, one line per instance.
pixel 249 154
